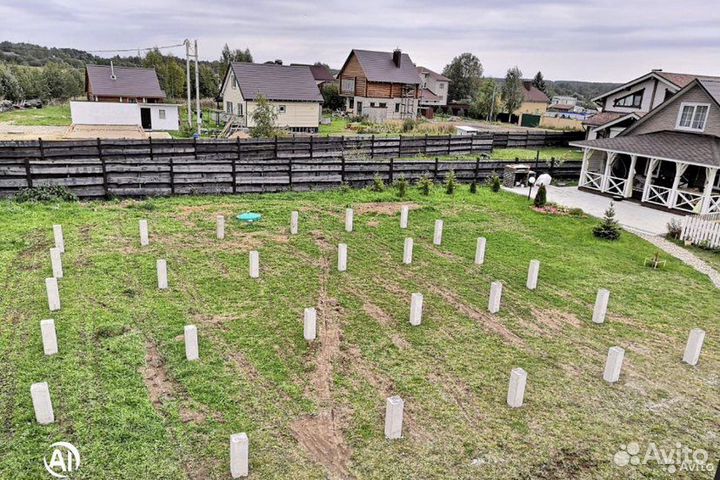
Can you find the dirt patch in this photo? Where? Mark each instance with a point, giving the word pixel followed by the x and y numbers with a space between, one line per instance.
pixel 217 321
pixel 566 463
pixel 162 388
pixel 487 320
pixel 381 208
pixel 322 437
pixel 555 320
pixel 373 224
pixel 384 319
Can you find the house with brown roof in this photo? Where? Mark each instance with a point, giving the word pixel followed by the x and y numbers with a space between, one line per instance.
pixel 535 104
pixel 626 104
pixel 433 90
pixel 668 158
pixel 380 85
pixel 124 96
pixel 291 90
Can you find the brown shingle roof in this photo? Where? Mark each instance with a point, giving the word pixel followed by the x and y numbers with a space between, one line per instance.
pixel 533 94
pixel 434 75
pixel 427 95
pixel 276 82
pixel 685 147
pixel 379 67
pixel 602 118
pixel 683 79
pixel 130 82
pixel 321 73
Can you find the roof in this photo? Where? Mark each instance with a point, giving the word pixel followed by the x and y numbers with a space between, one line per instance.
pixel 685 147
pixel 679 80
pixel 561 106
pixel 128 82
pixel 321 73
pixel 602 118
pixel 427 95
pixel 276 82
pixel 434 75
pixel 379 67
pixel 533 94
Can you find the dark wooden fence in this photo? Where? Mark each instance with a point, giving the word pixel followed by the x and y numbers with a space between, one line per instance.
pixel 120 168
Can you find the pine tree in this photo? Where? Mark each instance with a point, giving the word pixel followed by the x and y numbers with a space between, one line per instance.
pixel 539 82
pixel 541 197
pixel 609 228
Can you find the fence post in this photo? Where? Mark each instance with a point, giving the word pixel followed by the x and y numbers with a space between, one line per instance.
pixel 477 168
pixel 372 146
pixel 104 168
pixel 28 171
pixel 391 171
pixel 234 167
pixel 425 145
pixel 400 146
pixel 194 146
pixel 527 138
pixel 537 159
pixel 449 140
pixel 276 147
pixel 290 172
pixel 435 172
pixel 342 169
pixel 311 147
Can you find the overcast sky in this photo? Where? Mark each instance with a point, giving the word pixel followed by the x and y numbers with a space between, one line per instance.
pixel 608 40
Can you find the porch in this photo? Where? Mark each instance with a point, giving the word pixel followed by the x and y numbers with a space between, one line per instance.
pixel 665 182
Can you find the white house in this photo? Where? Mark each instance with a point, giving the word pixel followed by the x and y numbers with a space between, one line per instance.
pixel 291 90
pixel 124 96
pixel 433 89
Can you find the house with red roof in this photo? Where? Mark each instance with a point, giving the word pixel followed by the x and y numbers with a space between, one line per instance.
pixel 623 106
pixel 535 104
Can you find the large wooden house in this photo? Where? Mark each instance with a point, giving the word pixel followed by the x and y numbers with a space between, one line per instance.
pixel 380 85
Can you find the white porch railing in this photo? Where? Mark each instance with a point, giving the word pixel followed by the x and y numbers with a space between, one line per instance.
pixel 659 195
pixel 593 180
pixel 688 201
pixel 714 204
pixel 616 185
pixel 698 231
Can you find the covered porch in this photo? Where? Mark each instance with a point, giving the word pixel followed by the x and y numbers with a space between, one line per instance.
pixel 688 185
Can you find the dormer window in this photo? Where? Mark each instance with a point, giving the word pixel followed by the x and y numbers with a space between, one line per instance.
pixel 692 116
pixel 634 100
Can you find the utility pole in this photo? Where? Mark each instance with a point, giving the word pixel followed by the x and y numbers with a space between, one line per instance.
pixel 187 68
pixel 197 89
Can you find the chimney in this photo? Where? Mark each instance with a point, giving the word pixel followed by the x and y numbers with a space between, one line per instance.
pixel 657 69
pixel 112 71
pixel 397 57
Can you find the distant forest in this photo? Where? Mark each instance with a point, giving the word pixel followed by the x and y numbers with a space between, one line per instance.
pixel 32 71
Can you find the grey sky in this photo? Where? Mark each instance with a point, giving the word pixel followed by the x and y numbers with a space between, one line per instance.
pixel 608 40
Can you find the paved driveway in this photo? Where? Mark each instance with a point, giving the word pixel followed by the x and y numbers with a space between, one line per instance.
pixel 630 215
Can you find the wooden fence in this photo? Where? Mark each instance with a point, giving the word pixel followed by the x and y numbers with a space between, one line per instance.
pixel 119 168
pixel 703 230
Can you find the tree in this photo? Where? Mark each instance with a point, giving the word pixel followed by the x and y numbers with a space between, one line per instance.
pixel 209 83
pixel 264 117
pixel 60 82
pixel 512 90
pixel 609 228
pixel 465 72
pixel 540 196
pixel 331 98
pixel 539 83
pixel 487 100
pixel 227 56
pixel 10 88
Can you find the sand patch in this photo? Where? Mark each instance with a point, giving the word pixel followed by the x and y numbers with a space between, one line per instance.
pixel 382 208
pixel 322 437
pixel 554 320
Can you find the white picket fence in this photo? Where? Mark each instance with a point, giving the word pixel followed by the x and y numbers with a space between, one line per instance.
pixel 699 231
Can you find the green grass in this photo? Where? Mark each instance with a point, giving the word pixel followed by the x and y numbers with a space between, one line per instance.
pixel 336 128
pixel 51 115
pixel 546 153
pixel 256 373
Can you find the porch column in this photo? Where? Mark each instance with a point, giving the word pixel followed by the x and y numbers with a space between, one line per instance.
pixel 679 170
pixel 710 174
pixel 584 166
pixel 608 168
pixel 648 179
pixel 631 177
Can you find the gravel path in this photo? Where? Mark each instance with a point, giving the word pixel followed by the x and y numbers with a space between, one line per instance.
pixel 681 254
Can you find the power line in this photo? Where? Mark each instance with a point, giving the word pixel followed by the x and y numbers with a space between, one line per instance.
pixel 145 49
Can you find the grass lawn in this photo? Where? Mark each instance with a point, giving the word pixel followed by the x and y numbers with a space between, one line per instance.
pixel 336 128
pixel 51 115
pixel 546 153
pixel 125 395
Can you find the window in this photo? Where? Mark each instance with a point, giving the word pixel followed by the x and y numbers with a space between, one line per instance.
pixel 347 85
pixel 281 108
pixel 233 83
pixel 240 109
pixel 441 86
pixel 229 107
pixel 692 116
pixel 161 114
pixel 397 108
pixel 634 100
pixel 383 105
